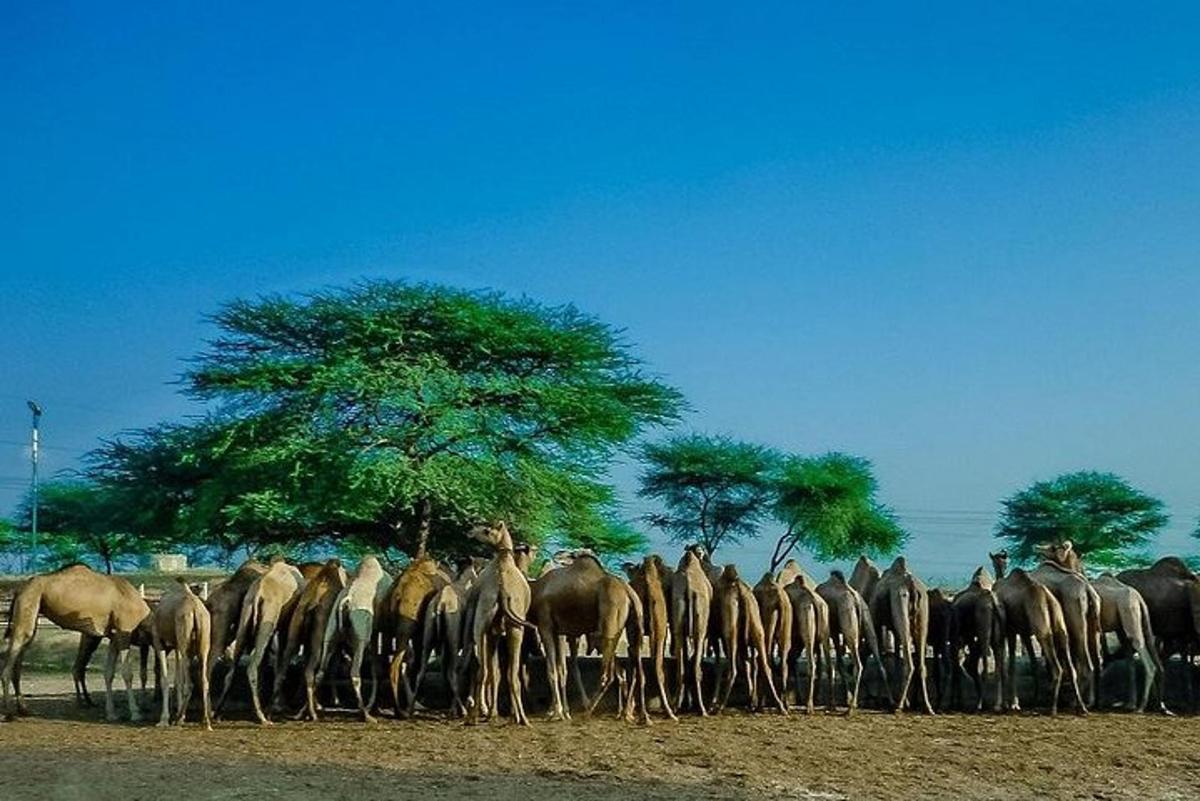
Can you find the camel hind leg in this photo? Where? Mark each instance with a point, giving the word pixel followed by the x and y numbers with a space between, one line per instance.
pixel 22 627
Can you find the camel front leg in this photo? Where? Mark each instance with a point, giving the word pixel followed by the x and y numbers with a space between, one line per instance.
pixel 252 672
pixel 516 637
pixel 160 659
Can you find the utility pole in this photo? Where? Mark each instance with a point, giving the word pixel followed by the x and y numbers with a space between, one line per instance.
pixel 33 515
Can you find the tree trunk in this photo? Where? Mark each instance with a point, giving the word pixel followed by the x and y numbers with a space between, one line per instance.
pixel 426 520
pixel 780 553
pixel 108 564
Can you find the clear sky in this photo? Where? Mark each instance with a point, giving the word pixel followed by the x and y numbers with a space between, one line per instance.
pixel 961 240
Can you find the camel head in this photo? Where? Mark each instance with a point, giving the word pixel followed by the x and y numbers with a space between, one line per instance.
pixel 981 578
pixel 495 534
pixel 523 555
pixel 1061 553
pixel 999 562
pixel 729 573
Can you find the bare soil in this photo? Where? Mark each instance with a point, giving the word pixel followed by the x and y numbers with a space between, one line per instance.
pixel 65 753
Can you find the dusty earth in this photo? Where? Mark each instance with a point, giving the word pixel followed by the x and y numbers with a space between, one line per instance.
pixel 68 754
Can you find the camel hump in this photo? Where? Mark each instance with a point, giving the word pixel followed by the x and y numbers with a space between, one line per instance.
pixel 1172 566
pixel 801 580
pixel 981 578
pixel 838 576
pixel 900 565
pixel 729 573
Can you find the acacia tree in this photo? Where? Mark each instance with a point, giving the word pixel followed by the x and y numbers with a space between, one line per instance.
pixel 828 504
pixel 716 490
pixel 1102 515
pixel 78 521
pixel 396 414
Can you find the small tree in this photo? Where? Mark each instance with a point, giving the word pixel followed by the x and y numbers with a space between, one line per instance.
pixel 716 490
pixel 828 505
pixel 78 521
pixel 1102 515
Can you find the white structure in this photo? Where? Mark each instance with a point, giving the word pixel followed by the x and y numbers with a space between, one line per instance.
pixel 168 562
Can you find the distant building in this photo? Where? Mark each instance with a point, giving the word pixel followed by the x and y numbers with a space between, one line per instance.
pixel 167 562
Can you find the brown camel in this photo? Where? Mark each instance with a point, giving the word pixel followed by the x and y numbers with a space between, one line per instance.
pixel 352 624
pixel 76 598
pixel 691 606
pixel 939 641
pixel 775 609
pixel 404 615
pixel 268 606
pixel 810 622
pixel 977 622
pixel 1032 612
pixel 182 623
pixel 864 577
pixel 1081 611
pixel 499 611
pixel 849 623
pixel 1172 594
pixel 225 607
pixel 651 582
pixel 1123 612
pixel 581 599
pixel 306 629
pixel 899 602
pixel 443 631
pixel 742 637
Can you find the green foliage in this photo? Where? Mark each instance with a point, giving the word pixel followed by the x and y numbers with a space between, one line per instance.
pixel 1102 515
pixel 829 506
pixel 79 520
pixel 716 490
pixel 387 415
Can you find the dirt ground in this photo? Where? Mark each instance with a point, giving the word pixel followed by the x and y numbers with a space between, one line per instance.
pixel 69 754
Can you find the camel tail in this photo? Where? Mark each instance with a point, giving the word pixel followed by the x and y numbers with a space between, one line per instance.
pixel 1132 619
pixel 505 604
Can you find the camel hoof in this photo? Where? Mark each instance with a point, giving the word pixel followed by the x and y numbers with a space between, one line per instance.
pixel 162 724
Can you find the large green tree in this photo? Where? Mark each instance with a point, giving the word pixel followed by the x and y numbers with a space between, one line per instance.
pixel 715 490
pixel 79 520
pixel 393 415
pixel 828 504
pixel 1103 516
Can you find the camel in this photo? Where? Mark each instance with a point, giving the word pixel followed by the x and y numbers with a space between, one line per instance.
pixel 76 598
pixel 810 620
pixel 499 611
pixel 742 636
pixel 1032 612
pixel 864 577
pixel 939 640
pixel 225 608
pixel 1172 594
pixel 976 622
pixel 1081 611
pixel 900 602
pixel 691 606
pixel 652 585
pixel 849 619
pixel 1124 612
pixel 306 628
pixel 404 616
pixel 582 599
pixel 88 645
pixel 268 605
pixel 352 623
pixel 776 611
pixel 443 631
pixel 181 622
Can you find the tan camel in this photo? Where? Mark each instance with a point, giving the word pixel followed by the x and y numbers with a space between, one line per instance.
pixel 500 609
pixel 182 623
pixel 581 599
pixel 849 623
pixel 899 602
pixel 443 631
pixel 352 623
pixel 267 607
pixel 225 608
pixel 977 623
pixel 88 645
pixel 1123 612
pixel 775 609
pixel 76 598
pixel 1172 594
pixel 810 623
pixel 691 606
pixel 743 638
pixel 864 577
pixel 1081 611
pixel 404 615
pixel 651 582
pixel 306 629
pixel 1032 612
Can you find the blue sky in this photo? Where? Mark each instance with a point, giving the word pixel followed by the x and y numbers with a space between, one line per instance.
pixel 959 241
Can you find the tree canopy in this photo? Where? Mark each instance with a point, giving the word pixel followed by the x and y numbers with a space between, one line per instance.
pixel 828 504
pixel 715 490
pixel 79 521
pixel 392 415
pixel 1103 516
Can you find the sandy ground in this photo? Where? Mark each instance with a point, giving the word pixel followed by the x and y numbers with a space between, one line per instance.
pixel 69 754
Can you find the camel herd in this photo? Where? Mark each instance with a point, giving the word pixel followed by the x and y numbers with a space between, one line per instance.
pixel 785 639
